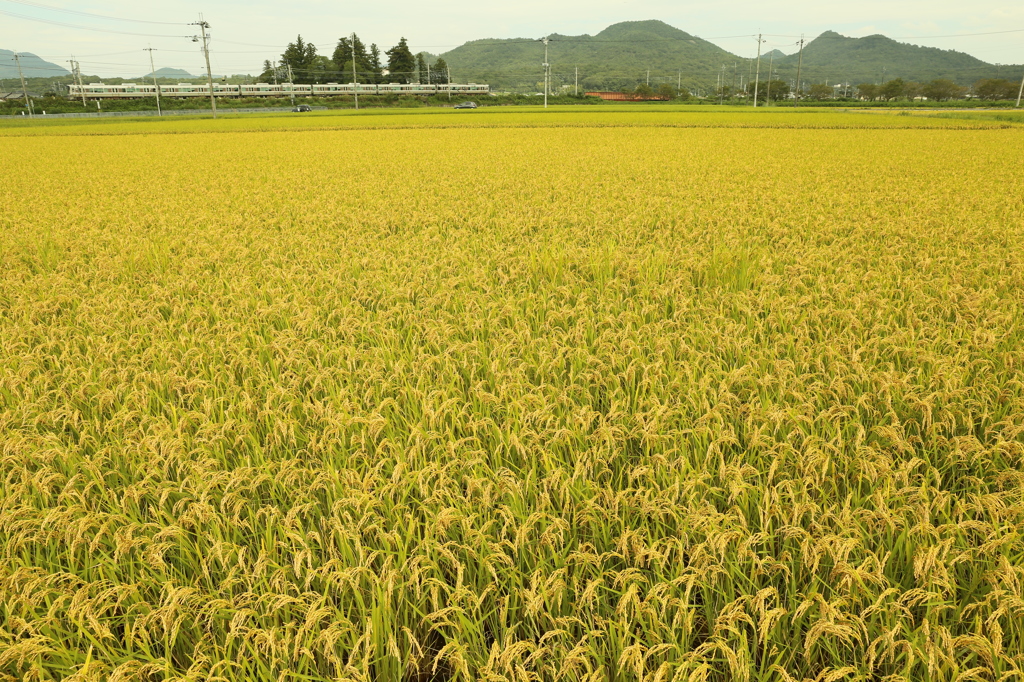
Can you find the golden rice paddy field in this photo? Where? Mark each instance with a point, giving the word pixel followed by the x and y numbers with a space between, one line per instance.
pixel 616 395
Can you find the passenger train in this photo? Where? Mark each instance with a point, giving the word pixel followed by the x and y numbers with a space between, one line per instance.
pixel 136 90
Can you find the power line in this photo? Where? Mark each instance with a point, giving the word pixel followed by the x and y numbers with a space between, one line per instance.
pixel 102 54
pixel 512 41
pixel 90 14
pixel 112 54
pixel 233 42
pixel 666 75
pixel 85 28
pixel 586 41
pixel 949 35
pixel 481 72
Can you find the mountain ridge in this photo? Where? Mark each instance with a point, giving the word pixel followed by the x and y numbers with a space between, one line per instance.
pixel 32 66
pixel 168 72
pixel 628 53
pixel 877 58
pixel 613 58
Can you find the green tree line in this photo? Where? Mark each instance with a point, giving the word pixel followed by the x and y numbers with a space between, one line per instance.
pixel 353 61
pixel 896 89
pixel 938 90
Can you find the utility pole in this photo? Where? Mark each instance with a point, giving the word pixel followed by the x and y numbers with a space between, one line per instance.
pixel 576 88
pixel 449 73
pixel 76 76
pixel 24 90
pixel 1020 92
pixel 275 72
pixel 799 66
pixel 545 40
pixel 757 76
pixel 152 70
pixel 291 83
pixel 81 85
pixel 203 25
pixel 648 78
pixel 355 76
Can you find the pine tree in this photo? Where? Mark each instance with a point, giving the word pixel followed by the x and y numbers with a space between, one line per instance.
pixel 421 68
pixel 374 63
pixel 401 63
pixel 439 72
pixel 302 57
pixel 342 56
pixel 268 74
pixel 367 64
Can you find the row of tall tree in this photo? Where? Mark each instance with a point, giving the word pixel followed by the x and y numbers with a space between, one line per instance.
pixel 665 91
pixel 996 88
pixel 897 88
pixel 435 75
pixel 352 59
pixel 938 90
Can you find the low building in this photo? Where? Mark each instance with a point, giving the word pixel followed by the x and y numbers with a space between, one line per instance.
pixel 623 96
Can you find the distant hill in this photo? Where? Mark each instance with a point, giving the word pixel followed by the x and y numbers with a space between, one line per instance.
pixel 620 56
pixel 615 58
pixel 629 53
pixel 31 65
pixel 874 59
pixel 170 73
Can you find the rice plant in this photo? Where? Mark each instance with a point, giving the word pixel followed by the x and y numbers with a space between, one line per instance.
pixel 628 403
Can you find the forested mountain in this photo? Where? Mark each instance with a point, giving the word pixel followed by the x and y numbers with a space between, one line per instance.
pixel 617 57
pixel 31 66
pixel 621 55
pixel 874 59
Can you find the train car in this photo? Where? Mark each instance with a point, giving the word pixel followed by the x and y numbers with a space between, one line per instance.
pixel 196 90
pixel 189 90
pixel 122 91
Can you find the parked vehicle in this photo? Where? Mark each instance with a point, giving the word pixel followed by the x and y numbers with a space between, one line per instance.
pixel 466 105
pixel 302 107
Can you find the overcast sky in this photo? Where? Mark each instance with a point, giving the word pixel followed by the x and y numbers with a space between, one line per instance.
pixel 246 33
